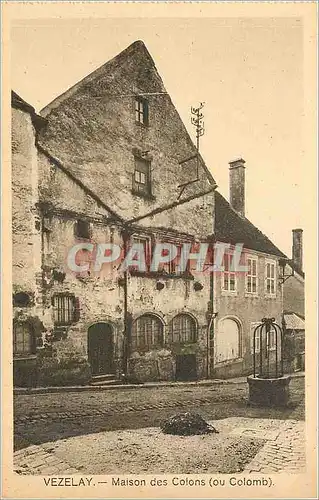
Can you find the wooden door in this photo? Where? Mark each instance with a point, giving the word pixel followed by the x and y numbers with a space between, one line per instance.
pixel 100 348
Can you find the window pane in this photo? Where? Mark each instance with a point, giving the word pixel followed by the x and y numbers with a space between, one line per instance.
pixel 183 329
pixel 232 281
pixel 137 176
pixel 226 262
pixel 268 270
pixel 142 178
pixel 272 271
pixel 225 281
pixel 254 284
pixel 64 309
pixel 147 332
pixel 22 339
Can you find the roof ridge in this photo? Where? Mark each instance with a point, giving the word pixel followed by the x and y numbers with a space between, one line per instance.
pixel 133 47
pixel 246 220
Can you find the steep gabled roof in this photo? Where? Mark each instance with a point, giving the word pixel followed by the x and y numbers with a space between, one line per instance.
pixel 91 131
pixel 230 227
pixel 18 103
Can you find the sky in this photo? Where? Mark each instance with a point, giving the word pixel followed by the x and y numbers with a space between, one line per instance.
pixel 247 71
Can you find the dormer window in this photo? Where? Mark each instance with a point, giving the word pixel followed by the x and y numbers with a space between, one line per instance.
pixel 141 110
pixel 82 229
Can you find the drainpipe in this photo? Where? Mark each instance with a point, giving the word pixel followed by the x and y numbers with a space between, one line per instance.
pixel 211 315
pixel 127 323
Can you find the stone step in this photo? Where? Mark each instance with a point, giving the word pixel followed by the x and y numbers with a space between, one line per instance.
pixel 107 379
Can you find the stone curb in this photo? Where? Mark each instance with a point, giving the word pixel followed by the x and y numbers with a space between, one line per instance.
pixel 147 385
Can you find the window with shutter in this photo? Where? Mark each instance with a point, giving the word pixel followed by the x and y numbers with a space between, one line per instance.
pixel 142 178
pixel 182 329
pixel 141 111
pixel 23 340
pixel 147 333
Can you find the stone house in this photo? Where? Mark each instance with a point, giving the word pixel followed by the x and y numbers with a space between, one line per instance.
pixel 110 161
pixel 242 299
pixel 111 168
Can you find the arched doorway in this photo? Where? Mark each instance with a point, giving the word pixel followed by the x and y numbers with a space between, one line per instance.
pixel 100 348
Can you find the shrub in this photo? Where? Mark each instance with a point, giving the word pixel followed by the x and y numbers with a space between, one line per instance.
pixel 186 424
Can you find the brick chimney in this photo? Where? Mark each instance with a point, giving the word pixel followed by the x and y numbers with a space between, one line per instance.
pixel 297 248
pixel 237 185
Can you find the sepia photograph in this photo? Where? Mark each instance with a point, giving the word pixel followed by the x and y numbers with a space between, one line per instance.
pixel 158 205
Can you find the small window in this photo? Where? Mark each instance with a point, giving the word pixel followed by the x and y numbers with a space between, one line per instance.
pixel 146 245
pixel 64 309
pixel 252 275
pixel 23 340
pixel 21 299
pixel 229 276
pixel 82 229
pixel 270 278
pixel 141 110
pixel 147 333
pixel 182 329
pixel 142 177
pixel 171 267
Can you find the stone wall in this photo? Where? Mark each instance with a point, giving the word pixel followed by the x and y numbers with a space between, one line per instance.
pixel 294 293
pixel 100 296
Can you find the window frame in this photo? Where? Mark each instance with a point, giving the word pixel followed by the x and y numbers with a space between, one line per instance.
pixel 31 351
pixel 136 333
pixel 227 272
pixel 71 312
pixel 239 356
pixel 142 189
pixel 182 340
pixel 141 110
pixel 147 243
pixel 253 258
pixel 271 262
pixel 169 268
pixel 88 231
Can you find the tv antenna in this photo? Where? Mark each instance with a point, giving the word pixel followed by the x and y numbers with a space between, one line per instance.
pixel 197 121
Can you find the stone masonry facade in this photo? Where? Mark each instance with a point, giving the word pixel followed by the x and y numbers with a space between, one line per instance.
pixel 110 161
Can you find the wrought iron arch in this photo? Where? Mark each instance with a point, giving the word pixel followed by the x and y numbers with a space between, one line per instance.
pixel 263 331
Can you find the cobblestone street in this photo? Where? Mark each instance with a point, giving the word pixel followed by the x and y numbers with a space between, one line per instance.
pixel 43 419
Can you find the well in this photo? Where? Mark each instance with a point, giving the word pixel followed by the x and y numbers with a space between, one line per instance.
pixel 268 386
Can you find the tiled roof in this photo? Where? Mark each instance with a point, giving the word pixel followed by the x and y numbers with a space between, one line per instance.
pixel 230 227
pixel 294 321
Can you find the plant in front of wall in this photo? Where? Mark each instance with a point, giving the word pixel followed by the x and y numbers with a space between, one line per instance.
pixel 69 370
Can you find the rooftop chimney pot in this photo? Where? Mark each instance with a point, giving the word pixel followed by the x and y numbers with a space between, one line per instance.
pixel 297 248
pixel 237 185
